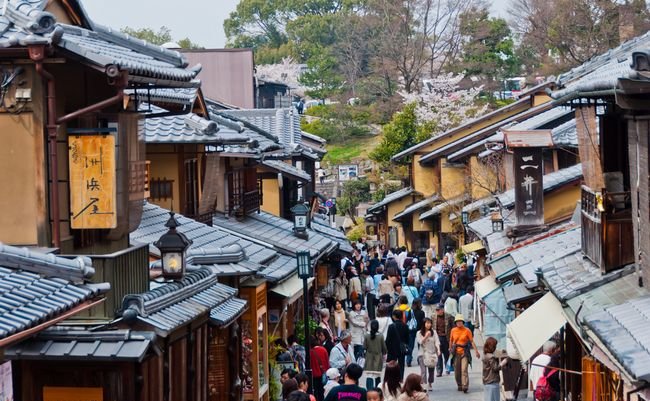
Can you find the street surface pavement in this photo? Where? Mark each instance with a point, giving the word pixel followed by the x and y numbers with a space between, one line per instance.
pixel 445 388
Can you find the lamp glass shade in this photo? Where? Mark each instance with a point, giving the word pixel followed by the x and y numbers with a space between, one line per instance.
pixel 173 263
pixel 304 264
pixel 464 217
pixel 300 222
pixel 497 225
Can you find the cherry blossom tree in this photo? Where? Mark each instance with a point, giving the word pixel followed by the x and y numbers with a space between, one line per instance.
pixel 441 105
pixel 286 72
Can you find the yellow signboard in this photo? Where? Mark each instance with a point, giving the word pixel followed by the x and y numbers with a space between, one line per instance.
pixel 73 394
pixel 92 181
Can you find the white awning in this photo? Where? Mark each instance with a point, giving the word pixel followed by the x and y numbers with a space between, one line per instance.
pixel 291 288
pixel 536 325
pixel 485 286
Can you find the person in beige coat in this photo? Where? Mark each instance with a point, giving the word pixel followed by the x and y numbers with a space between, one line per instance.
pixel 428 351
pixel 412 390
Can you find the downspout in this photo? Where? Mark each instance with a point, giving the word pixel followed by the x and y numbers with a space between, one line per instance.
pixel 37 54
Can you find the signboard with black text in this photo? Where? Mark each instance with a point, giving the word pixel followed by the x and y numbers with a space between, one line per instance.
pixel 529 186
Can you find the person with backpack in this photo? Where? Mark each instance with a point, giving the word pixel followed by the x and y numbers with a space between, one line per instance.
pixel 414 322
pixel 397 340
pixel 414 275
pixel 491 369
pixel 358 319
pixel 539 363
pixel 547 385
pixel 430 296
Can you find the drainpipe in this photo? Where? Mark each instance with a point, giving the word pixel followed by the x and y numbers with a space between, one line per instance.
pixel 37 54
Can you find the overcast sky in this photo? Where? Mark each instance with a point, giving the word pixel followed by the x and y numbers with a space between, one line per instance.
pixel 199 20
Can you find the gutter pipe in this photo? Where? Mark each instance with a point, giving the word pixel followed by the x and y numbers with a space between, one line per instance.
pixel 37 54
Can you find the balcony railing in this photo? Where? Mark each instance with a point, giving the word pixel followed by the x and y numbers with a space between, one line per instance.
pixel 607 232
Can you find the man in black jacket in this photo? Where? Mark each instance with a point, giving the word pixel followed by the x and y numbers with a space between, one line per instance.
pixel 397 339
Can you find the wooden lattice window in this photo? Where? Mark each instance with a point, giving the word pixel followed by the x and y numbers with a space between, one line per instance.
pixel 161 188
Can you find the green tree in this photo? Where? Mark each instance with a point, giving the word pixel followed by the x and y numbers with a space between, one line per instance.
pixel 399 134
pixel 353 193
pixel 321 76
pixel 488 49
pixel 160 37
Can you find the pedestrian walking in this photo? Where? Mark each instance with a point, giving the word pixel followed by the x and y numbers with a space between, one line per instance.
pixel 414 276
pixel 491 369
pixel 375 348
pixel 324 339
pixel 412 390
pixel 303 386
pixel 325 322
pixel 358 319
pixel 430 296
pixel 460 340
pixel 340 318
pixel 397 340
pixel 392 384
pixel 350 389
pixel 466 308
pixel 319 365
pixel 414 323
pixel 539 363
pixel 369 291
pixel 375 394
pixel 341 287
pixel 383 319
pixel 321 174
pixel 342 354
pixel 442 325
pixel 428 351
pixel 333 376
pixel 451 302
pixel 288 387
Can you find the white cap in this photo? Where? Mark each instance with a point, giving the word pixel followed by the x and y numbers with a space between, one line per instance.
pixel 333 373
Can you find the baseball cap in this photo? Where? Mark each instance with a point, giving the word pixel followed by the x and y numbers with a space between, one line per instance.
pixel 333 373
pixel 440 306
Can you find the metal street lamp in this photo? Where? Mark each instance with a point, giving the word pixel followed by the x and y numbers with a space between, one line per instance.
pixel 305 272
pixel 300 212
pixel 464 217
pixel 497 222
pixel 172 246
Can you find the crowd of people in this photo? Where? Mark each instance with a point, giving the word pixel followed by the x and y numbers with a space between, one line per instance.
pixel 384 310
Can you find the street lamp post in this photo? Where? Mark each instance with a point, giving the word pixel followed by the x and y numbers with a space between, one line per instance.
pixel 305 272
pixel 172 246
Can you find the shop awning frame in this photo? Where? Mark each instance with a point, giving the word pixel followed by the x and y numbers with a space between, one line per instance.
pixel 291 289
pixel 536 325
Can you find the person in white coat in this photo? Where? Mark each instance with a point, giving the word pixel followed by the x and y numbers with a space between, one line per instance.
pixel 428 351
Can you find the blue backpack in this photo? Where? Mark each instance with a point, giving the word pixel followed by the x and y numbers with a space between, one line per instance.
pixel 430 292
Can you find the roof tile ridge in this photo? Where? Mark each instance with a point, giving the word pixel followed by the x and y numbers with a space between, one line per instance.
pixel 48 265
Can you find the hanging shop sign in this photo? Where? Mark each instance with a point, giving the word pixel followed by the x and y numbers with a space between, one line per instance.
pixel 92 181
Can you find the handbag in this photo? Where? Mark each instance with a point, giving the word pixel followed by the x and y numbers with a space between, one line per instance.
pixel 430 360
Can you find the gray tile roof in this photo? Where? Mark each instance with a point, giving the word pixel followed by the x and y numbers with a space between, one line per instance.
pixel 601 73
pixel 391 197
pixel 546 251
pixel 321 226
pixel 35 288
pixel 281 268
pixel 262 140
pixel 566 135
pixel 625 331
pixel 182 96
pixel 482 145
pixel 282 123
pixel 277 232
pixel 228 312
pixel 210 245
pixel 417 206
pixel 610 289
pixel 188 129
pixel 574 274
pixel 288 169
pixel 545 120
pixel 551 181
pixel 436 210
pixel 175 304
pixel 476 205
pixel 82 345
pixel 495 241
pixel 25 22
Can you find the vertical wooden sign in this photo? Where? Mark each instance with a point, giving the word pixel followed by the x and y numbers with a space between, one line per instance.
pixel 92 181
pixel 529 186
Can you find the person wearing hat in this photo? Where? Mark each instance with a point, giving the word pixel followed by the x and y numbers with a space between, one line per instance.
pixel 333 376
pixel 460 340
pixel 442 325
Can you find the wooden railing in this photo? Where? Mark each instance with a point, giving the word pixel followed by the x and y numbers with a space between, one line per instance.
pixel 607 232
